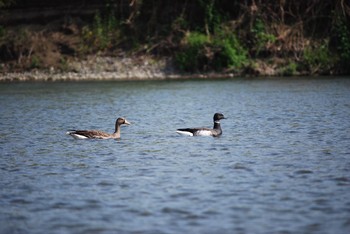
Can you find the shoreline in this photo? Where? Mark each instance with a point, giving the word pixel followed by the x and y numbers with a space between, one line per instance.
pixel 137 40
pixel 40 76
pixel 97 68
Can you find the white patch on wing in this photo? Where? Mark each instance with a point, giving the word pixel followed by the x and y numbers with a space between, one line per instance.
pixel 204 133
pixel 184 133
pixel 76 136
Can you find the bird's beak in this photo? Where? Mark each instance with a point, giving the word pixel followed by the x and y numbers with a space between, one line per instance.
pixel 126 122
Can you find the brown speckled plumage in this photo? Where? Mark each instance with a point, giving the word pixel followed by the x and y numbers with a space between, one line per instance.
pixel 96 134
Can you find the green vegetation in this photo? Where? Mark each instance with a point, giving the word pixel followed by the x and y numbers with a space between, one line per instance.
pixel 63 64
pixel 231 53
pixel 35 62
pixel 217 50
pixel 261 39
pixel 343 36
pixel 7 3
pixel 290 69
pixel 2 32
pixel 101 34
pixel 193 55
pixel 318 58
pixel 201 35
pixel 201 53
pixel 212 18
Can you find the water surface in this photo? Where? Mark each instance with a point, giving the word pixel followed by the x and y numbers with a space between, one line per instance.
pixel 282 164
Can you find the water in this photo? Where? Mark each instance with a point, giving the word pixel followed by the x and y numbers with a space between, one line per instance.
pixel 282 164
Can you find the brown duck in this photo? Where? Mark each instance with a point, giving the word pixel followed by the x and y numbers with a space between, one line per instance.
pixel 96 134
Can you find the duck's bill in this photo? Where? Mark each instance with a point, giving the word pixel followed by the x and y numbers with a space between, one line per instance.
pixel 127 122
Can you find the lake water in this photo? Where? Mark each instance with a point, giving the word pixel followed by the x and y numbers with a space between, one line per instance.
pixel 282 164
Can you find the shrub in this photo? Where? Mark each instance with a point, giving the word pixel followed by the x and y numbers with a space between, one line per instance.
pixel 6 3
pixel 35 62
pixel 2 32
pixel 318 58
pixel 290 69
pixel 343 36
pixel 231 53
pixel 192 57
pixel 201 54
pixel 102 33
pixel 261 38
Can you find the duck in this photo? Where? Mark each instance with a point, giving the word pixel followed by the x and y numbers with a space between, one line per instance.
pixel 215 131
pixel 96 134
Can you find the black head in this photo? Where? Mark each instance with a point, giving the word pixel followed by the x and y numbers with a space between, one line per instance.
pixel 218 116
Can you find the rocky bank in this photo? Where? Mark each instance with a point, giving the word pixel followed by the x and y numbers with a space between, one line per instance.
pixel 98 68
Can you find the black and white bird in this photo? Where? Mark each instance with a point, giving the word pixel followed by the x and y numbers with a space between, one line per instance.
pixel 215 131
pixel 96 134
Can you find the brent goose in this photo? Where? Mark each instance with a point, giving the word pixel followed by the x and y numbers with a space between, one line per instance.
pixel 95 134
pixel 215 132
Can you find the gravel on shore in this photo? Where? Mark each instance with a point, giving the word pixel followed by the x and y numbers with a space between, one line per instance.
pixel 108 68
pixel 98 68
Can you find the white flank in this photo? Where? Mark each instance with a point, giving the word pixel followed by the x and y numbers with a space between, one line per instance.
pixel 184 133
pixel 76 136
pixel 204 133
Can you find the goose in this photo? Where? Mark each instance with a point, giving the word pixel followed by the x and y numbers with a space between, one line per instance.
pixel 96 134
pixel 215 132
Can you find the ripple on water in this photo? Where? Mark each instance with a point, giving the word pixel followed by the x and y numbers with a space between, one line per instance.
pixel 281 165
pixel 303 172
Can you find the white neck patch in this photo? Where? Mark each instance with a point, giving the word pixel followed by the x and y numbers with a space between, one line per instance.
pixel 217 121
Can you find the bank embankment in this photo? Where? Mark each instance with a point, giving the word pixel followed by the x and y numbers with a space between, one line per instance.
pixel 129 40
